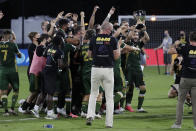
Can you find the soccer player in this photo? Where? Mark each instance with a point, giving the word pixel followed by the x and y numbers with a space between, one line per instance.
pixel 134 73
pixel 54 63
pixel 8 70
pixel 86 75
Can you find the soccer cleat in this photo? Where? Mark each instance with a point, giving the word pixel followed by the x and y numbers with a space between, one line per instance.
pixel 141 110
pixel 122 109
pixel 108 126
pixel 129 108
pixel 73 116
pixel 117 111
pixel 6 114
pixel 98 116
pixel 61 111
pixel 51 116
pixel 35 113
pixel 176 126
pixel 21 101
pixel 83 115
pixel 89 121
pixel 21 110
pixel 13 112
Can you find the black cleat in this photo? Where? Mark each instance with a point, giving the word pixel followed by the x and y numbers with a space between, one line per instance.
pixel 89 121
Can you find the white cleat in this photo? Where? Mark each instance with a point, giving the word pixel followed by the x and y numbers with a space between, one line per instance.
pixel 98 116
pixel 21 101
pixel 122 109
pixel 174 126
pixel 141 110
pixel 35 113
pixel 61 111
pixel 21 110
pixel 83 115
pixel 51 115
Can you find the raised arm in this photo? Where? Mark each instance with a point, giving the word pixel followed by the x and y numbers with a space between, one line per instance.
pixel 82 22
pixel 117 51
pixel 1 15
pixel 92 19
pixel 111 12
pixel 172 49
pixel 53 22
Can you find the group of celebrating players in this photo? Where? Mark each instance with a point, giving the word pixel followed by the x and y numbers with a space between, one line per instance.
pixel 59 68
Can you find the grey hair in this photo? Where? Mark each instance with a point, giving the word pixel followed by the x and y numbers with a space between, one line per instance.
pixel 106 25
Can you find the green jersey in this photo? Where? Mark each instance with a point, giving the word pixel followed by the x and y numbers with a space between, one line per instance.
pixel 7 54
pixel 117 63
pixel 133 57
pixel 86 61
pixel 67 49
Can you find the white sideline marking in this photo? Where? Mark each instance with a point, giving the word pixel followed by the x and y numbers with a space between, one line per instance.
pixel 25 119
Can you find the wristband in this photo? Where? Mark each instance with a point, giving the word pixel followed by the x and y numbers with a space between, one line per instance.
pixel 123 45
pixel 135 48
pixel 109 15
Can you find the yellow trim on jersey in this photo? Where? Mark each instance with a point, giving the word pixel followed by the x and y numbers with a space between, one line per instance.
pixel 70 79
pixel 68 59
pixel 122 77
pixel 16 67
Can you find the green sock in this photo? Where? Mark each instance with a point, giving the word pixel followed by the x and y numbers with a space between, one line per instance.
pixel 98 106
pixel 4 101
pixel 122 100
pixel 68 107
pixel 117 97
pixel 140 102
pixel 84 107
pixel 141 98
pixel 14 100
pixel 55 101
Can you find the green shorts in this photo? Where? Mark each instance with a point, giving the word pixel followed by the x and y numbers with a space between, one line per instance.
pixel 35 83
pixel 9 75
pixel 86 81
pixel 119 79
pixel 135 77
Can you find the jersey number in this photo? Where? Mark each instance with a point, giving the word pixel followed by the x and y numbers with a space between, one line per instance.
pixel 5 54
pixel 85 56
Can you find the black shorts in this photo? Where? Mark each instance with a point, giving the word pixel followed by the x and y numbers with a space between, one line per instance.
pixel 50 78
pixel 135 77
pixel 167 59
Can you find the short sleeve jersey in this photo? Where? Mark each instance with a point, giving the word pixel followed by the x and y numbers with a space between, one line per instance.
pixel 67 49
pixel 8 51
pixel 53 54
pixel 188 53
pixel 133 58
pixel 102 47
pixel 86 61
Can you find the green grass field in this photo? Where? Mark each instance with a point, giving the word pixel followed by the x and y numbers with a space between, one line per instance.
pixel 160 116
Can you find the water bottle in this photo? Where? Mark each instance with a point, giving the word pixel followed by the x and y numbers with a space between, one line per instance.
pixel 48 126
